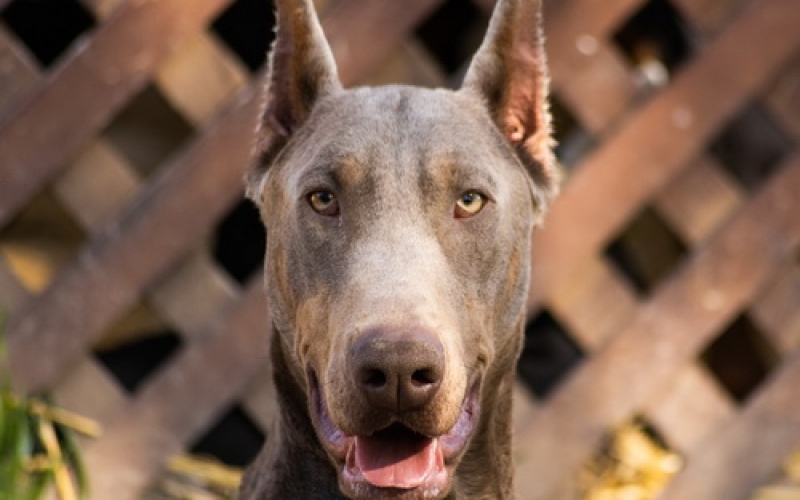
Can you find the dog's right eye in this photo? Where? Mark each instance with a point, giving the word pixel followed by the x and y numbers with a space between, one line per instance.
pixel 324 203
pixel 469 204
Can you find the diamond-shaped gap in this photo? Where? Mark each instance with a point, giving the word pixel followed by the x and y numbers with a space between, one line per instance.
pixel 740 358
pixel 136 346
pixel 40 241
pixel 646 251
pixel 453 33
pixel 245 27
pixel 751 146
pixel 47 27
pixel 573 141
pixel 148 130
pixel 548 355
pixel 656 40
pixel 234 439
pixel 632 457
pixel 240 241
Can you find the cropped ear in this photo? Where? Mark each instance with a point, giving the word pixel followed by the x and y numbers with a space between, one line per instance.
pixel 509 73
pixel 301 71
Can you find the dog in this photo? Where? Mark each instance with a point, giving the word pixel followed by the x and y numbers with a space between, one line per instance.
pixel 399 222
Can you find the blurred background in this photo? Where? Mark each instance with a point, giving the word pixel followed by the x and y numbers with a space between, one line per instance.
pixel 662 354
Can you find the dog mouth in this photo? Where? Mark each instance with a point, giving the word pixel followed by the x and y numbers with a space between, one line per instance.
pixel 396 461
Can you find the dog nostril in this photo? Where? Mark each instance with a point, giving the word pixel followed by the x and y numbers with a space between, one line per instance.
pixel 373 378
pixel 426 376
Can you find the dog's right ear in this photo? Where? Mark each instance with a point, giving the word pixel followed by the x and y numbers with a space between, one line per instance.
pixel 509 73
pixel 301 70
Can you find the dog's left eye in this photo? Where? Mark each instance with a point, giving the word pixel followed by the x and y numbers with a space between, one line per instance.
pixel 324 203
pixel 469 204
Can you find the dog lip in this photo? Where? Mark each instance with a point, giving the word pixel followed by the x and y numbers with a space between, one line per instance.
pixel 334 438
pixel 452 443
pixel 455 440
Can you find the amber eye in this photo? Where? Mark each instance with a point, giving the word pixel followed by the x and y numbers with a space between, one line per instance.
pixel 324 203
pixel 469 204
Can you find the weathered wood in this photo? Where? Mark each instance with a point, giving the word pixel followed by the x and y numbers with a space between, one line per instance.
pixel 777 310
pixel 665 334
pixel 193 293
pixel 259 398
pixel 749 450
pixel 595 303
pixel 85 91
pixel 410 64
pixel 18 74
pixel 708 15
pixel 690 409
pixel 90 391
pixel 699 200
pixel 173 212
pixel 603 89
pixel 783 99
pixel 186 397
pixel 103 8
pixel 12 294
pixel 362 33
pixel 670 130
pixel 98 184
pixel 200 77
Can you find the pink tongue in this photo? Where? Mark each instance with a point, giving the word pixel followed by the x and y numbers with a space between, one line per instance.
pixel 397 460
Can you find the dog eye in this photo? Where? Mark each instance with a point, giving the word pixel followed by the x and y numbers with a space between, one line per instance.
pixel 324 203
pixel 469 204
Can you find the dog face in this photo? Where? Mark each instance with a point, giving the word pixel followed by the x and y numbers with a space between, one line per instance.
pixel 399 222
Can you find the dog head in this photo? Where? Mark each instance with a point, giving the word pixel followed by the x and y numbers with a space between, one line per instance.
pixel 399 224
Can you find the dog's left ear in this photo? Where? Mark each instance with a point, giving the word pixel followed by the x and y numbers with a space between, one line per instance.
pixel 301 71
pixel 509 73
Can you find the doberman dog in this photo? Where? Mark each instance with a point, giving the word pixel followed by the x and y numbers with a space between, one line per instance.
pixel 399 223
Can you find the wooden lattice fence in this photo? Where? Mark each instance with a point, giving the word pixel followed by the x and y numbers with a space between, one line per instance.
pixel 667 278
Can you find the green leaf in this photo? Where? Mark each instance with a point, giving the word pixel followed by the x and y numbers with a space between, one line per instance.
pixel 74 461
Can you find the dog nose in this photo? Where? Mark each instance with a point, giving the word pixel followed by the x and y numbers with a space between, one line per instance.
pixel 398 370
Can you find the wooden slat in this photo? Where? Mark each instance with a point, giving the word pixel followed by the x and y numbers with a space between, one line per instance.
pixel 98 184
pixel 699 200
pixel 749 451
pixel 90 391
pixel 603 89
pixel 570 20
pixel 666 333
pixel 524 407
pixel 259 398
pixel 595 303
pixel 708 15
pixel 783 99
pixel 12 293
pixel 87 89
pixel 410 64
pixel 691 408
pixel 182 401
pixel 200 77
pixel 652 147
pixel 103 8
pixel 363 33
pixel 18 73
pixel 171 214
pixel 777 310
pixel 193 293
